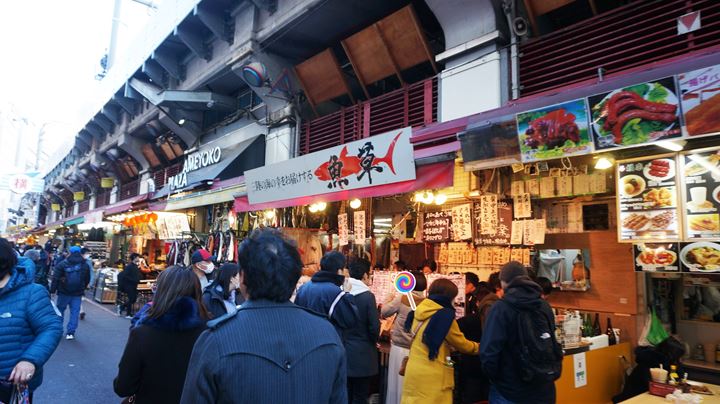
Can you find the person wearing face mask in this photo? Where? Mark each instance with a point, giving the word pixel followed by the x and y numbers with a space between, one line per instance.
pixel 202 266
pixel 222 296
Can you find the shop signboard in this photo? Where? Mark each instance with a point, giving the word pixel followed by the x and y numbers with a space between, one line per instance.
pixel 501 233
pixel 22 183
pixel 700 92
pixel 436 226
pixel 462 222
pixel 634 115
pixel 554 132
pixel 195 161
pixel 648 200
pixel 700 257
pixel 55 207
pixel 382 159
pixel 172 226
pixel 656 257
pixel 701 194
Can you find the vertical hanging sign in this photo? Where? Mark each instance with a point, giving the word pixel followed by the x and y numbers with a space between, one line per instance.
pixel 359 225
pixel 343 229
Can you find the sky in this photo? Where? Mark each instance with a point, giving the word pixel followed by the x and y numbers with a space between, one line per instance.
pixel 51 53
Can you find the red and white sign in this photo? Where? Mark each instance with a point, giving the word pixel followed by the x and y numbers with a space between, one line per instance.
pixel 20 184
pixel 377 160
pixel 688 23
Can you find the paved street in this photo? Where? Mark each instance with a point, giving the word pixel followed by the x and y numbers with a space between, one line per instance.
pixel 82 371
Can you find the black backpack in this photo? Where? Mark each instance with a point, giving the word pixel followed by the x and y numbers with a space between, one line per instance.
pixel 538 349
pixel 73 281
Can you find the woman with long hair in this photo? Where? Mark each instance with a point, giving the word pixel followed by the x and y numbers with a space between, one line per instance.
pixel 153 366
pixel 429 376
pixel 222 296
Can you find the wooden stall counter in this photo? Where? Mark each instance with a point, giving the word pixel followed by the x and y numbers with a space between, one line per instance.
pixel 603 375
pixel 647 398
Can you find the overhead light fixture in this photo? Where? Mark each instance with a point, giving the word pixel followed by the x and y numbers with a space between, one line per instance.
pixel 428 198
pixel 603 163
pixel 321 206
pixel 355 203
pixel 181 122
pixel 440 199
pixel 313 208
pixel 672 145
pixel 270 214
pixel 418 197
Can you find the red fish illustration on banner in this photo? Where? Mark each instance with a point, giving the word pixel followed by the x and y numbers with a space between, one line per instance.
pixel 337 169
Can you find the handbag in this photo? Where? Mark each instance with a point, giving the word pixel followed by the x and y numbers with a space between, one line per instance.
pixel 403 364
pixel 20 395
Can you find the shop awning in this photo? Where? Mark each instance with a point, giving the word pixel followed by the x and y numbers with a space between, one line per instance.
pixel 234 162
pixel 77 220
pixel 204 198
pixel 123 206
pixel 430 176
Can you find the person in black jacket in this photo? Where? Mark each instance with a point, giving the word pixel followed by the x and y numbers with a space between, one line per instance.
pixel 361 338
pixel 128 281
pixel 222 296
pixel 70 279
pixel 157 353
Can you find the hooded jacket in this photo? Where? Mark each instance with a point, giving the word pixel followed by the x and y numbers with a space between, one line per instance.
pixel 360 339
pixel 214 300
pixel 500 342
pixel 319 295
pixel 30 329
pixel 157 354
pixel 59 275
pixel 484 306
pixel 432 381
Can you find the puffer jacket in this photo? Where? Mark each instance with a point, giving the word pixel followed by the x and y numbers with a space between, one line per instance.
pixel 30 328
pixel 320 294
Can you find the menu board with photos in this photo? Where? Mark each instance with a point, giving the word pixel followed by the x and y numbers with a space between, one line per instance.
pixel 700 256
pixel 648 199
pixel 656 257
pixel 701 194
pixel 503 230
pixel 436 226
pixel 700 91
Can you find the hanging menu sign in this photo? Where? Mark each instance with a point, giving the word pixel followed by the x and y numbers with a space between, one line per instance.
pixel 656 257
pixel 343 229
pixel 501 233
pixel 359 226
pixel 701 194
pixel 436 226
pixel 648 200
pixel 461 222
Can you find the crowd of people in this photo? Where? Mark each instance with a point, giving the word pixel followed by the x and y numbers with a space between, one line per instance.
pixel 235 335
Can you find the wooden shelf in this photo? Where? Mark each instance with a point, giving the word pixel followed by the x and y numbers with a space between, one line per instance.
pixel 691 363
pixel 700 322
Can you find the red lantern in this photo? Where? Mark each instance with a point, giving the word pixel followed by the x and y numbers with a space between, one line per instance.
pixel 153 217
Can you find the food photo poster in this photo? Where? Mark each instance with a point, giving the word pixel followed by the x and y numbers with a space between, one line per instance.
pixel 700 99
pixel 701 194
pixel 634 115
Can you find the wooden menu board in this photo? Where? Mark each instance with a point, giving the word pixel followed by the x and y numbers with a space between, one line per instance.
pixel 503 232
pixel 648 200
pixel 701 194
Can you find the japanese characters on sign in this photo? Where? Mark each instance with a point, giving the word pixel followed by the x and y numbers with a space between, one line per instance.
pixel 488 214
pixel 436 226
pixel 462 222
pixel 359 226
pixel 648 199
pixel 701 194
pixel 522 206
pixel 343 229
pixel 501 232
pixel 381 159
pixel 700 91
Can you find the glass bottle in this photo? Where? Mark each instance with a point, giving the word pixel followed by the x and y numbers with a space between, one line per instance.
pixel 612 340
pixel 596 330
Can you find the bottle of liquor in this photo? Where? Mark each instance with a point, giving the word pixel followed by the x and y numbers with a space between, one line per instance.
pixel 612 340
pixel 596 330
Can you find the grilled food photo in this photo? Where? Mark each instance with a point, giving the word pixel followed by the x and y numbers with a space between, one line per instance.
pixel 636 221
pixel 663 220
pixel 704 223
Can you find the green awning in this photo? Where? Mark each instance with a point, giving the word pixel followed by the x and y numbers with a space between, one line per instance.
pixel 77 220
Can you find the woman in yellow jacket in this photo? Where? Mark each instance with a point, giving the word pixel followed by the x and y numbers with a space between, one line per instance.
pixel 428 376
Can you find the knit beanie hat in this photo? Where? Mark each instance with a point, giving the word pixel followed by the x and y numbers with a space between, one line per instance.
pixel 512 270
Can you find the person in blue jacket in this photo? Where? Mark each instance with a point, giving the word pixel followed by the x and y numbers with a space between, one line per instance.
pixel 30 328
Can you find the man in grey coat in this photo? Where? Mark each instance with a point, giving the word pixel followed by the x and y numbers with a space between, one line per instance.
pixel 270 350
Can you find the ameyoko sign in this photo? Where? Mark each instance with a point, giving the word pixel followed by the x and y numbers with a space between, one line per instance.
pixel 194 161
pixel 378 160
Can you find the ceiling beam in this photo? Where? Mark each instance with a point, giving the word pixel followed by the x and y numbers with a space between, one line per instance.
pixel 95 130
pixel 169 62
pixel 154 71
pixel 215 22
pixel 194 42
pixel 104 122
pixel 112 113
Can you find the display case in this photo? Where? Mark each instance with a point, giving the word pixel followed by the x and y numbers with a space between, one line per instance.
pixel 106 285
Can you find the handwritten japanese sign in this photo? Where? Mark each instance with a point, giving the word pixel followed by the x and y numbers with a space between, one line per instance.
pixel 359 226
pixel 501 233
pixel 522 206
pixel 488 214
pixel 462 222
pixel 343 229
pixel 436 226
pixel 382 159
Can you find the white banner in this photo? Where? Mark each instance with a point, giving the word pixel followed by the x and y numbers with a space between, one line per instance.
pixel 378 160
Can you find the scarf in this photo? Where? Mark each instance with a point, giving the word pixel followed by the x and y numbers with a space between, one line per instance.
pixel 438 325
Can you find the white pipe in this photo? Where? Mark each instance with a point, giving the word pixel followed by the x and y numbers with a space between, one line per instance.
pixel 114 34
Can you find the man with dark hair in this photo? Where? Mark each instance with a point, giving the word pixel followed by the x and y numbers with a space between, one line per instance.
pixel 428 267
pixel 519 352
pixel 471 302
pixel 400 265
pixel 128 281
pixel 324 293
pixel 86 255
pixel 70 279
pixel 269 350
pixel 496 292
pixel 361 338
pixel 546 286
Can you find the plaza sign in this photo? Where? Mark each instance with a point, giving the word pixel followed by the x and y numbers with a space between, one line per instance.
pixel 194 161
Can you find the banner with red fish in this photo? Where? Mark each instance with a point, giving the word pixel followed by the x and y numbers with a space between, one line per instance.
pixel 554 132
pixel 635 115
pixel 377 160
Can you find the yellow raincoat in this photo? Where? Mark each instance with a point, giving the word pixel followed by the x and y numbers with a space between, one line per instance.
pixel 429 381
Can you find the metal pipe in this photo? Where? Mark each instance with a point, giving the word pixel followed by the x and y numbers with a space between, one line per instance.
pixel 114 34
pixel 509 9
pixel 147 3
